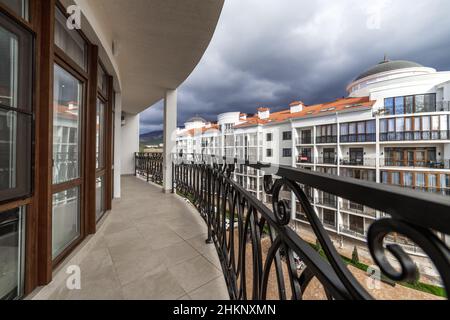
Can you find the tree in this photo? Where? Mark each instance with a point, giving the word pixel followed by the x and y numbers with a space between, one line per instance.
pixel 355 256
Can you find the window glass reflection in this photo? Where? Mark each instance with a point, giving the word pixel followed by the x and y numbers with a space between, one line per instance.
pixel 70 41
pixel 100 135
pixel 19 7
pixel 66 126
pixel 65 220
pixel 12 249
pixel 99 197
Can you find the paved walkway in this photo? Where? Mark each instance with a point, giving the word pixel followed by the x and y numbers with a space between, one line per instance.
pixel 151 246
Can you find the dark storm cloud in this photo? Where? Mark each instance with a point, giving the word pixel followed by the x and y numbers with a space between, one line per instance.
pixel 272 52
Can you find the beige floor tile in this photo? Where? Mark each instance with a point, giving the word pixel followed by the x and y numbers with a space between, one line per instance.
pixel 213 290
pixel 194 273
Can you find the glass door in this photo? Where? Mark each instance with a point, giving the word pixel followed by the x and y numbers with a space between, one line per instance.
pixel 67 164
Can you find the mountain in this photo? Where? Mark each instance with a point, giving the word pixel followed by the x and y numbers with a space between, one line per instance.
pixel 151 138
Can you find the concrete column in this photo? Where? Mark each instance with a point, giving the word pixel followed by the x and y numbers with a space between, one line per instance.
pixel 170 130
pixel 129 143
pixel 117 146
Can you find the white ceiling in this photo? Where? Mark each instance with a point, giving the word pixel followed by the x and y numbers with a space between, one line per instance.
pixel 159 42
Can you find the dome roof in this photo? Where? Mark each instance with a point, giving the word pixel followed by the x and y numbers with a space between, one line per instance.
pixel 196 119
pixel 387 65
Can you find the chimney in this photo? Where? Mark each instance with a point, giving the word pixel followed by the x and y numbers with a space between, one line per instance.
pixel 296 106
pixel 243 117
pixel 263 113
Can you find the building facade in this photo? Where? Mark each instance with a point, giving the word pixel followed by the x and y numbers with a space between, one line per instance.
pixel 393 128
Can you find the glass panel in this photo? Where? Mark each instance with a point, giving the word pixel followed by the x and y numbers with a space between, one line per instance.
pixel 66 220
pixel 100 135
pixel 19 7
pixel 12 253
pixel 99 197
pixel 102 80
pixel 389 105
pixel 407 179
pixel 15 66
pixel 66 126
pixel 409 104
pixel 399 105
pixel 420 103
pixel 15 154
pixel 430 103
pixel 400 125
pixel 70 41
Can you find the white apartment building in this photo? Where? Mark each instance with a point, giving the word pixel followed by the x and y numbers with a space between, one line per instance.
pixel 393 128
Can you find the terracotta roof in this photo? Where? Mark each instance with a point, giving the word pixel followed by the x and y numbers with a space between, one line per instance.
pixel 295 103
pixel 193 132
pixel 310 111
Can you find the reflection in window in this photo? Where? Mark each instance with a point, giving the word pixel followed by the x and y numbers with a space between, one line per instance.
pixel 66 126
pixel 66 220
pixel 12 249
pixel 99 197
pixel 70 41
pixel 15 123
pixel 100 135
pixel 19 7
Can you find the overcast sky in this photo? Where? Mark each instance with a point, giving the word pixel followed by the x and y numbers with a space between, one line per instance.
pixel 272 52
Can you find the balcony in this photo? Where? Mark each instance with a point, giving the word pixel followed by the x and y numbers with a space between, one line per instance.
pixel 150 246
pixel 442 164
pixel 358 162
pixel 358 138
pixel 326 140
pixel 358 209
pixel 415 136
pixel 327 161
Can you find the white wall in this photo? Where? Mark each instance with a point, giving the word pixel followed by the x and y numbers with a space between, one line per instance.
pixel 129 143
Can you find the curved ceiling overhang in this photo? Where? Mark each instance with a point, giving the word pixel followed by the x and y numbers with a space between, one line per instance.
pixel 157 43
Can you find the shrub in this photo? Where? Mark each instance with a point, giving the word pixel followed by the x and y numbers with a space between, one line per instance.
pixel 355 256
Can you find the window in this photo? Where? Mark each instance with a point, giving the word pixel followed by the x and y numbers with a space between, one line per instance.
pixel 100 135
pixel 407 179
pixel 356 224
pixel 12 254
pixel 287 135
pixel 306 137
pixel 70 41
pixel 329 217
pixel 19 7
pixel 102 80
pixel 99 197
pixel 430 103
pixel 65 220
pixel 420 180
pixel 16 115
pixel 269 137
pixel 389 105
pixel 329 156
pixel 269 153
pixel 306 155
pixel 327 134
pixel 287 153
pixel 419 103
pixel 66 118
pixel 399 105
pixel 409 104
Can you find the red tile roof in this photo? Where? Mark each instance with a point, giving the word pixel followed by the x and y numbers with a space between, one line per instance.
pixel 310 111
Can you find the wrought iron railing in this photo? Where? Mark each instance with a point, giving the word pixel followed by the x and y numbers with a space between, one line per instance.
pixel 259 251
pixel 149 166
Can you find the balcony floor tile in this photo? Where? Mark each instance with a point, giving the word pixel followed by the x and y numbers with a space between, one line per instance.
pixel 150 246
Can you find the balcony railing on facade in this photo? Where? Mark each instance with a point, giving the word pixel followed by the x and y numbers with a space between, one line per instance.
pixel 360 162
pixel 239 223
pixel 304 141
pixel 327 140
pixel 357 208
pixel 441 164
pixel 355 138
pixel 327 161
pixel 415 136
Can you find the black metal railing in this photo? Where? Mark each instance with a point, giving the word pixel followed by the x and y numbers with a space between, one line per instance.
pixel 260 253
pixel 149 166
